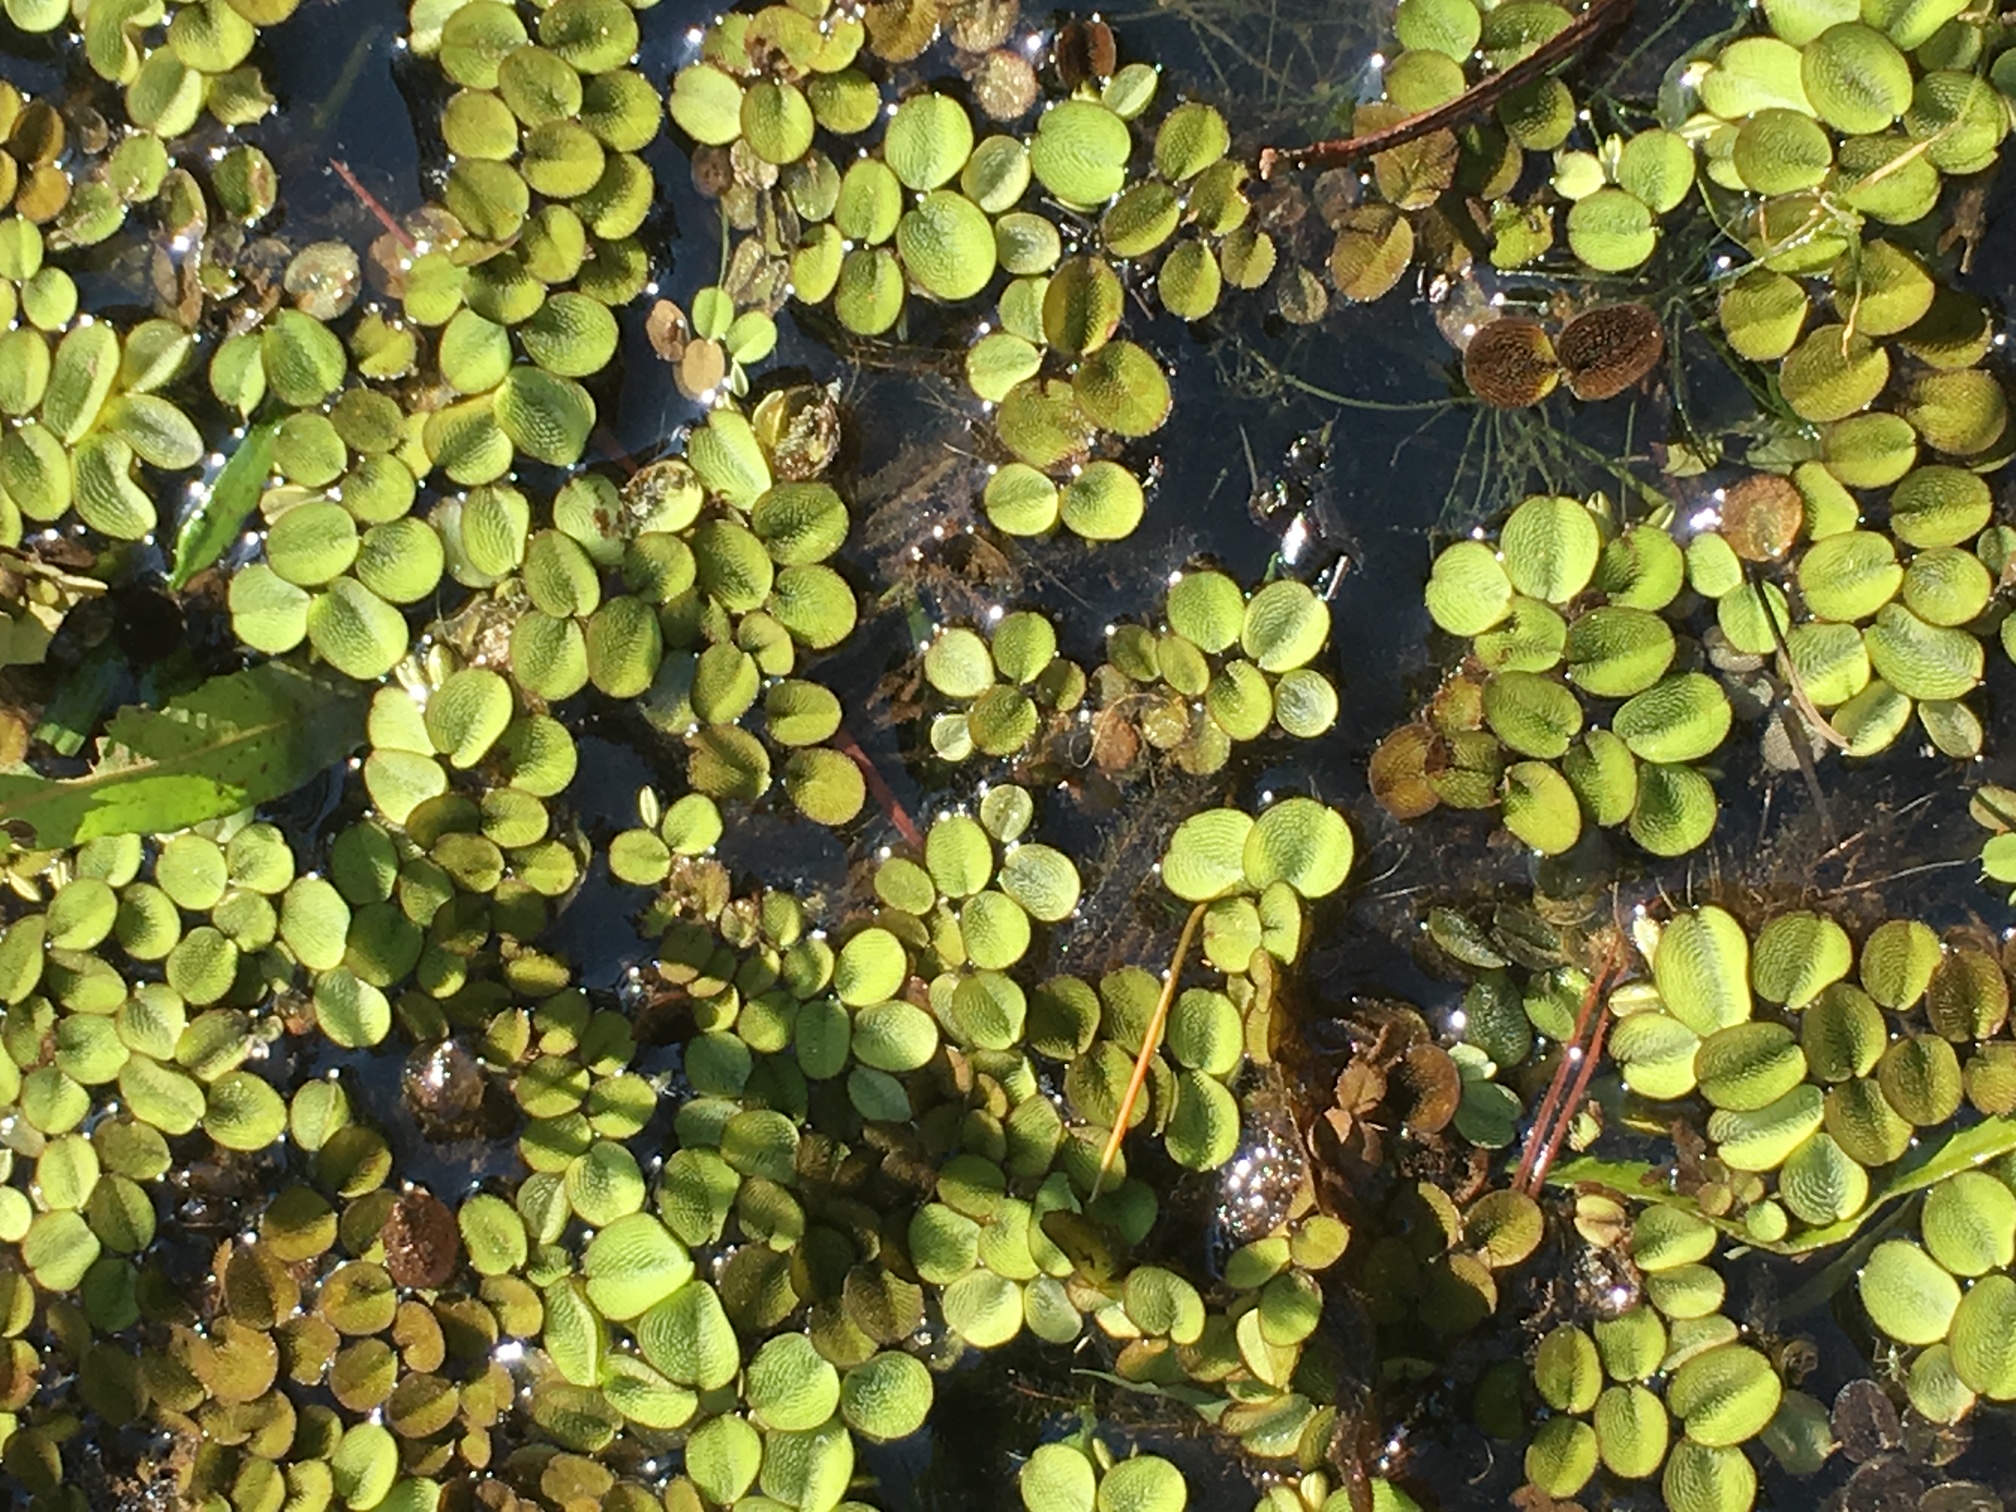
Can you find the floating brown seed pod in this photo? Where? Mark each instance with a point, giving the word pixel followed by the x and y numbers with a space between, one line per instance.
pixel 1605 350
pixel 1510 363
pixel 1761 516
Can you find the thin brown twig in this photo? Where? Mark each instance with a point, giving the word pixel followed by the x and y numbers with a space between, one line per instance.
pixel 1862 834
pixel 1598 18
pixel 1900 876
pixel 1557 1087
pixel 370 202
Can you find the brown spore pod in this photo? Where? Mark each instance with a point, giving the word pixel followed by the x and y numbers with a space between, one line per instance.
pixel 1511 364
pixel 1606 350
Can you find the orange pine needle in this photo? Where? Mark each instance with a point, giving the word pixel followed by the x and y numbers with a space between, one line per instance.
pixel 1151 1041
pixel 879 787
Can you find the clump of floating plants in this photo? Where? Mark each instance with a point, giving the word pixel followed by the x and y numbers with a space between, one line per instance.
pixel 1556 614
pixel 723 1231
pixel 926 211
pixel 1226 667
pixel 1811 1084
pixel 1006 681
pixel 1854 582
pixel 1822 631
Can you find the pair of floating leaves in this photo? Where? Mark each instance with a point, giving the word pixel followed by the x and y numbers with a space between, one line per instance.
pixel 1224 852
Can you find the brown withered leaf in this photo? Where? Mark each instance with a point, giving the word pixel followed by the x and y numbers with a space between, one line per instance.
pixel 1428 1088
pixel 1004 85
pixel 1335 194
pixel 978 26
pixel 1115 743
pixel 898 30
pixel 1085 50
pixel 20 1373
pixel 38 133
pixel 1458 705
pixel 1510 363
pixel 1865 1421
pixel 701 368
pixel 1691 1151
pixel 1761 516
pixel 1399 772
pixel 1360 1089
pixel 713 171
pixel 1608 349
pixel 667 329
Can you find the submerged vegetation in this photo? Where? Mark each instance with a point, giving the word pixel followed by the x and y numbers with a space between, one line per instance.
pixel 338 1167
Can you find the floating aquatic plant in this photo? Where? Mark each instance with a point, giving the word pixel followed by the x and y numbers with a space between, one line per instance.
pixel 921 1119
pixel 1851 642
pixel 1228 668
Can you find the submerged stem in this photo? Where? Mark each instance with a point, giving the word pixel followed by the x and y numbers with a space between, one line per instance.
pixel 1347 401
pixel 878 786
pixel 370 202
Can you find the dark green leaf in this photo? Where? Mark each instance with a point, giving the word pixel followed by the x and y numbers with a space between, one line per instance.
pixel 238 740
pixel 215 522
pixel 80 699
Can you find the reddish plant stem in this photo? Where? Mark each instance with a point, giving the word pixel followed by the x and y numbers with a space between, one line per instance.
pixel 884 795
pixel 1594 21
pixel 1557 1088
pixel 370 202
pixel 1594 1005
pixel 1552 1147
